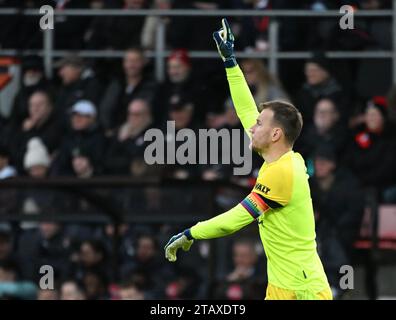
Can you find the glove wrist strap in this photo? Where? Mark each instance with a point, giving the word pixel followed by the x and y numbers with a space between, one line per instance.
pixel 187 233
pixel 230 62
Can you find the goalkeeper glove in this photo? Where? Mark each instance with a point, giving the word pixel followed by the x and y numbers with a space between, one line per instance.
pixel 182 240
pixel 225 44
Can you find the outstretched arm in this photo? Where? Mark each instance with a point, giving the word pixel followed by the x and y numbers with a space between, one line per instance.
pixel 244 103
pixel 220 226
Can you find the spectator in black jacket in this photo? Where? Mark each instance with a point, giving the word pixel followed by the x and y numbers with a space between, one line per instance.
pixel 180 81
pixel 119 93
pixel 41 122
pixel 128 144
pixel 326 129
pixel 320 84
pixel 33 79
pixel 47 245
pixel 85 134
pixel 372 153
pixel 78 82
pixel 338 208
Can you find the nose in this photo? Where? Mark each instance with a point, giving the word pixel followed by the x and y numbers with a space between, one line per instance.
pixel 251 129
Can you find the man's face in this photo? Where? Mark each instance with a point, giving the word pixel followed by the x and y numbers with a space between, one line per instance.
pixel 323 167
pixel 81 121
pixel 81 165
pixel 181 117
pixel 39 105
pixel 138 112
pixel 88 256
pixel 133 64
pixel 325 115
pixel 69 74
pixel 38 171
pixel 264 133
pixel 70 291
pixel 178 71
pixel 146 249
pixel 315 74
pixel 244 255
pixel 49 229
pixel 374 119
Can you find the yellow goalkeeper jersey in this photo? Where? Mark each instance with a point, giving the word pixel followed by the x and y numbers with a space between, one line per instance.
pixel 287 231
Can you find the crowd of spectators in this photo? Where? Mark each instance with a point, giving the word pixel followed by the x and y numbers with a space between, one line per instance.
pixel 91 118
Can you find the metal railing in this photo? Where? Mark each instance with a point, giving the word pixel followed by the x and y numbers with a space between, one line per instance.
pixel 159 53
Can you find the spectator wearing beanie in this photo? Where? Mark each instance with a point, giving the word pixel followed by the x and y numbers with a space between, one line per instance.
pixel 372 153
pixel 37 160
pixel 36 163
pixel 41 122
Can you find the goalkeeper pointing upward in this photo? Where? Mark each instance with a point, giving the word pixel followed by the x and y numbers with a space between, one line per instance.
pixel 280 201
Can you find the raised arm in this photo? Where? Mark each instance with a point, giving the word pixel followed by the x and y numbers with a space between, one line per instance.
pixel 244 103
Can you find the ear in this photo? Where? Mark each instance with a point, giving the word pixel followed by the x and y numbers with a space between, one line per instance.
pixel 276 134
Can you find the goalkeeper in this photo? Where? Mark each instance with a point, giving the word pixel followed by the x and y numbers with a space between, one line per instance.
pixel 280 201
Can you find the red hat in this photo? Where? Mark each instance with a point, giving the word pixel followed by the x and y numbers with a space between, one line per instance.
pixel 182 55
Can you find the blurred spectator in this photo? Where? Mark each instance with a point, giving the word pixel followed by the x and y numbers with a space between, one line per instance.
pixel 262 84
pixel 6 243
pixel 320 84
pixel 47 245
pixel 180 81
pixel 11 286
pixel 117 32
pixel 93 258
pixel 6 169
pixel 186 285
pixel 95 284
pixel 119 93
pixel 391 100
pixel 69 29
pixel 148 267
pixel 85 136
pixel 187 33
pixel 78 83
pixel 48 294
pixel 130 290
pixel 71 290
pixel 338 210
pixel 243 281
pixel 36 161
pixel 128 144
pixel 325 130
pixel 366 152
pixel 149 30
pixel 33 79
pixel 227 120
pixel 253 32
pixel 368 33
pixel 181 116
pixel 40 122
